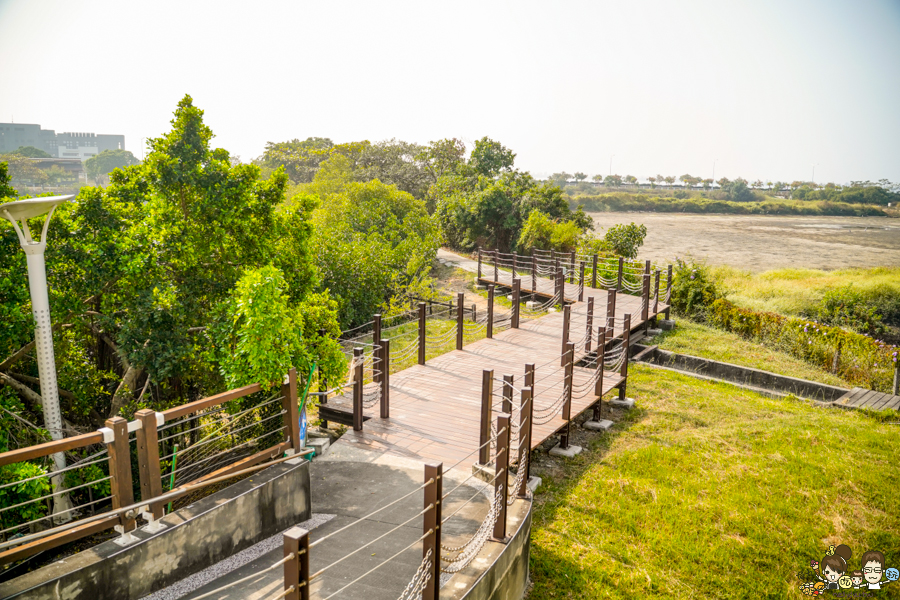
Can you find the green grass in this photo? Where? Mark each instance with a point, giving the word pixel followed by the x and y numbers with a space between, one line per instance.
pixel 695 339
pixel 708 491
pixel 792 291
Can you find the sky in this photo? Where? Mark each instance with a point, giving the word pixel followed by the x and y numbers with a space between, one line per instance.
pixel 771 90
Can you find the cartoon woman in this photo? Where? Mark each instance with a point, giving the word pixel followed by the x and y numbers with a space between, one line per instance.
pixel 834 565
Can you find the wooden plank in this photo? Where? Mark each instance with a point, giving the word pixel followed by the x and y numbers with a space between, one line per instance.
pixel 882 402
pixel 869 399
pixel 48 448
pixel 192 407
pixel 57 539
pixel 850 398
pixel 894 404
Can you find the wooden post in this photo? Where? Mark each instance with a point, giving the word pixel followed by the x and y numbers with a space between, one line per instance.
pixel 148 459
pixel 358 389
pixel 594 272
pixel 601 355
pixel 516 294
pixel 558 287
pixel 668 290
pixel 580 280
pixel 421 333
pixel 572 267
pixel 621 268
pixel 896 390
pixel 506 406
pixel 515 264
pixel 490 315
pixel 645 298
pixel 626 339
pixel 567 315
pixel 292 409
pixel 487 395
pixel 533 273
pixel 323 385
pixel 474 313
pixel 501 475
pixel 385 379
pixel 567 385
pixel 526 410
pixel 529 377
pixel 479 265
pixel 656 297
pixel 460 298
pixel 611 310
pixel 120 468
pixel 431 527
pixel 590 324
pixel 296 570
pixel 376 330
pixel 496 271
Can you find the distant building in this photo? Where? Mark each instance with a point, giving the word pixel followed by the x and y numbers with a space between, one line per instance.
pixel 59 145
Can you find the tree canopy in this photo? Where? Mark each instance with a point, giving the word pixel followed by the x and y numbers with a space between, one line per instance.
pixel 31 152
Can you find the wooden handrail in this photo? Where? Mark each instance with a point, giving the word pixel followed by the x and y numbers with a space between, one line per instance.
pixel 48 448
pixel 198 405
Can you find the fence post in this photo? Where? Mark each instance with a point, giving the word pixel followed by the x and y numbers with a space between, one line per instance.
pixel 533 274
pixel 296 570
pixel 529 377
pixel 487 395
pixel 668 290
pixel 478 279
pixel 385 379
pixel 376 329
pixel 526 410
pixel 501 475
pixel 611 308
pixel 594 272
pixel 567 315
pixel 567 388
pixel 431 526
pixel 590 324
pixel 421 333
pixel 557 288
pixel 656 296
pixel 357 389
pixel 626 337
pixel 323 385
pixel 580 280
pixel 148 459
pixel 896 391
pixel 506 406
pixel 515 264
pixel 474 313
pixel 601 356
pixel 120 468
pixel 572 267
pixel 292 409
pixel 490 316
pixel 496 260
pixel 645 297
pixel 516 294
pixel 460 310
pixel 621 268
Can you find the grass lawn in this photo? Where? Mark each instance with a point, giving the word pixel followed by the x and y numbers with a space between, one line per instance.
pixel 695 339
pixel 708 491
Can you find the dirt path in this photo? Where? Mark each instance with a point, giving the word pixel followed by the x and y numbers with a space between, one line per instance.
pixel 759 243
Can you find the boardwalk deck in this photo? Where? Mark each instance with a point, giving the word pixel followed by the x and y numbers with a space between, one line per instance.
pixel 869 399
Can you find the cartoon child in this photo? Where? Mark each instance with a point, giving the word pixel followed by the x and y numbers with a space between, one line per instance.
pixel 834 565
pixel 873 567
pixel 857 577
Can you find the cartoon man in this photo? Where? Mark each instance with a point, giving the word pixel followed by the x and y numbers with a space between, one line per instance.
pixel 873 567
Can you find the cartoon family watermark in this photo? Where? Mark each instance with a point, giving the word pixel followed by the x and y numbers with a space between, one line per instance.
pixel 834 574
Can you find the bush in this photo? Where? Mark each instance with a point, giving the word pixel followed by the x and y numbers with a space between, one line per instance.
pixel 693 289
pixel 848 307
pixel 625 240
pixel 543 233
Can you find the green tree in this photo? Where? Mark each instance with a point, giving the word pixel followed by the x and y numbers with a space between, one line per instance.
pixel 579 176
pixel 442 157
pixel 490 158
pixel 739 191
pixel 6 191
pixel 31 152
pixel 543 233
pixel 630 179
pixel 106 161
pixel 669 180
pixel 300 160
pixel 625 240
pixel 598 178
pixel 23 171
pixel 613 181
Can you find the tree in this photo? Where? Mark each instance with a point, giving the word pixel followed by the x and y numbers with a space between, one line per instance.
pixel 613 181
pixel 625 240
pixel 669 180
pixel 6 191
pixel 758 184
pixel 300 160
pixel 707 183
pixel 393 162
pixel 652 181
pixel 442 157
pixel 106 161
pixel 23 171
pixel 561 179
pixel 32 152
pixel 490 158
pixel 598 178
pixel 580 176
pixel 630 179
pixel 689 180
pixel 739 191
pixel 543 233
pixel 723 182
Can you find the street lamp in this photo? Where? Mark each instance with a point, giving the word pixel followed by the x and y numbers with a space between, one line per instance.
pixel 610 164
pixel 18 214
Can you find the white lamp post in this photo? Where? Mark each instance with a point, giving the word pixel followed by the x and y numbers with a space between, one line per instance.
pixel 18 213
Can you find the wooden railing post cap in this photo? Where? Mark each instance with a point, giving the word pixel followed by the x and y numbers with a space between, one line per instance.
pixel 296 533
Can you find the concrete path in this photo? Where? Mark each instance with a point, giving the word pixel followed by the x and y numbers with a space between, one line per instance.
pixel 456 260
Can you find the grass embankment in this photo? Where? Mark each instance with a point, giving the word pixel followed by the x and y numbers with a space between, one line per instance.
pixel 696 203
pixel 700 340
pixel 796 292
pixel 705 490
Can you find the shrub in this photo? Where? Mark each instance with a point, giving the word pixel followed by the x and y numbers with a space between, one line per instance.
pixel 693 289
pixel 544 233
pixel 848 307
pixel 626 239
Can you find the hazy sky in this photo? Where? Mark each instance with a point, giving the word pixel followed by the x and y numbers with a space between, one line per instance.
pixel 765 89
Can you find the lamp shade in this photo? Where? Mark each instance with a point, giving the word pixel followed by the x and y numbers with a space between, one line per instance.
pixel 32 207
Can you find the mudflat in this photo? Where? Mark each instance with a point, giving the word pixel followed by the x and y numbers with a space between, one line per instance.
pixel 759 243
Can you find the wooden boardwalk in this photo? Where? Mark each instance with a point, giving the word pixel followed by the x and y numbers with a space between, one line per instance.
pixel 870 399
pixel 435 408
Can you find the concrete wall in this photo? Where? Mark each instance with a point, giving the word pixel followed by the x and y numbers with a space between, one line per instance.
pixel 196 537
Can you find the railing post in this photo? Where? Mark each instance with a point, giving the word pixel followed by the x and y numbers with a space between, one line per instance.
pixel 385 379
pixel 148 459
pixel 589 326
pixel 645 298
pixel 516 294
pixel 478 280
pixel 296 570
pixel 291 409
pixel 526 410
pixel 460 310
pixel 896 390
pixel 529 377
pixel 623 371
pixel 431 526
pixel 490 316
pixel 506 406
pixel 515 264
pixel 656 296
pixel 357 389
pixel 376 329
pixel 572 267
pixel 594 272
pixel 120 468
pixel 668 290
pixel 621 268
pixel 496 270
pixel 557 288
pixel 611 310
pixel 421 333
pixel 501 475
pixel 601 356
pixel 647 267
pixel 567 315
pixel 323 385
pixel 487 395
pixel 580 280
pixel 474 313
pixel 533 274
pixel 567 388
